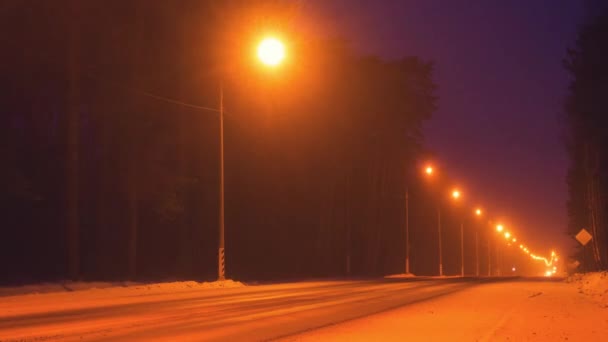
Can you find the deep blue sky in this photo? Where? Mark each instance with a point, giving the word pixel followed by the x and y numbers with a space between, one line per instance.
pixel 501 88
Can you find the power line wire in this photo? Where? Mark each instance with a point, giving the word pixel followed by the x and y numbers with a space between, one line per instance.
pixel 227 114
pixel 154 96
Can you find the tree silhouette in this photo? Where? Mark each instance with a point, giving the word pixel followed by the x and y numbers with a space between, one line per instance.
pixel 586 140
pixel 107 110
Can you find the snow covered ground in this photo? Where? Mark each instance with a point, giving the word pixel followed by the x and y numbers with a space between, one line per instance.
pixel 573 310
pixel 593 285
pixel 114 286
pixel 450 309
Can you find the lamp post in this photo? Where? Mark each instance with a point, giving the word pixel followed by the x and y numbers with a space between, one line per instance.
pixel 429 171
pixel 439 239
pixel 271 52
pixel 476 252
pixel 456 196
pixel 407 230
pixel 489 255
pixel 221 272
pixel 439 231
pixel 462 248
pixel 499 228
pixel 478 213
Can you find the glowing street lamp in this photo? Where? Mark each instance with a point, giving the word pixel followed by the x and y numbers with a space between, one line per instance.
pixel 478 213
pixel 428 171
pixel 507 235
pixel 499 228
pixel 456 196
pixel 271 51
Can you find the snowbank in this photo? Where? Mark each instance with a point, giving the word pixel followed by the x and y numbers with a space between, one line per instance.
pixel 82 286
pixel 400 276
pixel 594 285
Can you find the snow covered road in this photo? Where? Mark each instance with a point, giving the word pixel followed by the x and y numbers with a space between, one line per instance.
pixel 450 309
pixel 229 314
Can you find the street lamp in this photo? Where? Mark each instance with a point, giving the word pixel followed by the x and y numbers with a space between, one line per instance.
pixel 429 171
pixel 478 213
pixel 499 228
pixel 489 236
pixel 508 237
pixel 271 52
pixel 407 229
pixel 456 196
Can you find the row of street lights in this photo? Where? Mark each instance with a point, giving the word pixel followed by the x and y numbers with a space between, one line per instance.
pixel 456 195
pixel 271 52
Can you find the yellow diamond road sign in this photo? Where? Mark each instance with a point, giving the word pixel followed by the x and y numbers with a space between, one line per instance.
pixel 583 237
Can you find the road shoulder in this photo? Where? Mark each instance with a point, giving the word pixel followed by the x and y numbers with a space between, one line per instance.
pixel 513 311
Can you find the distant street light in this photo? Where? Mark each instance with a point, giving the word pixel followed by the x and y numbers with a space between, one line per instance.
pixel 456 196
pixel 478 213
pixel 507 235
pixel 429 171
pixel 499 228
pixel 489 251
pixel 271 53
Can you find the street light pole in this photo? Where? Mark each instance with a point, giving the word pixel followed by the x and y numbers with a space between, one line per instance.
pixel 407 231
pixel 271 52
pixel 477 251
pixel 221 257
pixel 462 248
pixel 498 260
pixel 440 252
pixel 489 255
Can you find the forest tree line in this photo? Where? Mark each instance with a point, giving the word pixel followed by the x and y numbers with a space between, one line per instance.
pixel 110 159
pixel 586 121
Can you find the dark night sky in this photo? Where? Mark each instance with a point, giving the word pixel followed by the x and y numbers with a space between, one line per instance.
pixel 499 69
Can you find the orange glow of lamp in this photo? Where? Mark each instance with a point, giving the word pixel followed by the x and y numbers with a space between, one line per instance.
pixel 271 52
